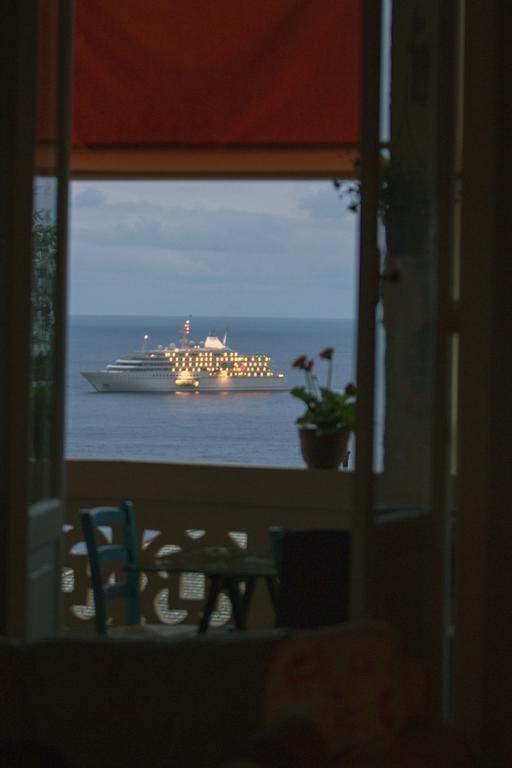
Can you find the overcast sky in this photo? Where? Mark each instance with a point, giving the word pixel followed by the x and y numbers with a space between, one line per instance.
pixel 268 249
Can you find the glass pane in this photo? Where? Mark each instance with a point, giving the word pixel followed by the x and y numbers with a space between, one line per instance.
pixel 385 71
pixel 44 259
pixel 405 336
pixel 44 266
pixel 406 311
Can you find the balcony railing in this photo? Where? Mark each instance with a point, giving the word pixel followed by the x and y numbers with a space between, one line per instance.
pixel 184 505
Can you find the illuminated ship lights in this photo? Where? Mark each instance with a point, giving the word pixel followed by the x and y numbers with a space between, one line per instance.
pixel 209 365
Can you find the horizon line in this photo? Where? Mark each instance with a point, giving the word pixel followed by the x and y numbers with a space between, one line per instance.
pixel 233 317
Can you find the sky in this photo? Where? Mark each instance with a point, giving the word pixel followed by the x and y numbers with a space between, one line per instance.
pixel 239 248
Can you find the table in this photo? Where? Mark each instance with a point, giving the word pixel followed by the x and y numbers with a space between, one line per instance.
pixel 227 569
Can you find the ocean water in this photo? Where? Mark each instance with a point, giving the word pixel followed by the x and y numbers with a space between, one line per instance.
pixel 256 428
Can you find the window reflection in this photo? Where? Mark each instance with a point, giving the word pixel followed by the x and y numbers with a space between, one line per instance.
pixel 43 295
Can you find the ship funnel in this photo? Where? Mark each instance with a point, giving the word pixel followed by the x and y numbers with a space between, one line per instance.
pixel 225 337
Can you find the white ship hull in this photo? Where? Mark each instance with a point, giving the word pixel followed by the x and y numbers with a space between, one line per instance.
pixel 209 366
pixel 143 381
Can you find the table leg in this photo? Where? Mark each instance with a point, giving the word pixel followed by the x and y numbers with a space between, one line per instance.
pixel 236 602
pixel 249 582
pixel 211 599
pixel 272 590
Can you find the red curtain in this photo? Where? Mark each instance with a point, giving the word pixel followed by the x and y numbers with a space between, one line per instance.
pixel 162 75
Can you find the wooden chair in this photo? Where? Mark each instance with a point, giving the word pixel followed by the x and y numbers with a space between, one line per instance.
pixel 125 554
pixel 313 568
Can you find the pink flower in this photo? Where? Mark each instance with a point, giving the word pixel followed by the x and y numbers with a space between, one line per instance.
pixel 308 366
pixel 351 390
pixel 327 353
pixel 300 362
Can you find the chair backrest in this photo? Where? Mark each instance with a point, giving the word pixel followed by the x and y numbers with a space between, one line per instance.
pixel 124 553
pixel 313 567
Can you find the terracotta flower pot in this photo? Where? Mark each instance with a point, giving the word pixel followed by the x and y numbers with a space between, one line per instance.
pixel 321 451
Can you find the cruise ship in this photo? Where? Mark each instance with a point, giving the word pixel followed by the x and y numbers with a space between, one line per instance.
pixel 209 366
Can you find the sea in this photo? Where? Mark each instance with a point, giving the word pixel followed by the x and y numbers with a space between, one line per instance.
pixel 252 428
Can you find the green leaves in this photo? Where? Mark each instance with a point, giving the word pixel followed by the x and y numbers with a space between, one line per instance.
pixel 329 412
pixel 326 411
pixel 304 395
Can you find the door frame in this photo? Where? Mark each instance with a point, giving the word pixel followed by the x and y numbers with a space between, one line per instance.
pixel 20 522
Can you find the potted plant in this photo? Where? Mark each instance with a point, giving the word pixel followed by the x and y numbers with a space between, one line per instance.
pixel 329 418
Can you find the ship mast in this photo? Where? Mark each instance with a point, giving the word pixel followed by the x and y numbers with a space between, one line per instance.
pixel 186 332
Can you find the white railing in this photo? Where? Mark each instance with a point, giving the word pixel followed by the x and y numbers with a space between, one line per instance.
pixel 181 505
